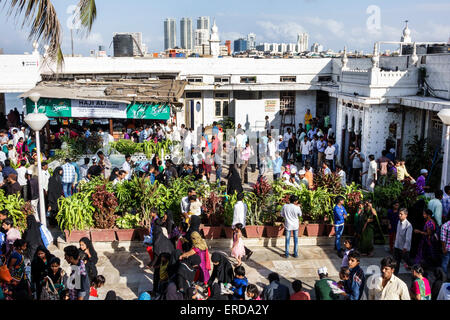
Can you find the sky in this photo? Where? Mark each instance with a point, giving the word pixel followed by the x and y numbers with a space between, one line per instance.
pixel 356 24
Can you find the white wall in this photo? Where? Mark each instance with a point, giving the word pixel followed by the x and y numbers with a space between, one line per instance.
pixel 19 73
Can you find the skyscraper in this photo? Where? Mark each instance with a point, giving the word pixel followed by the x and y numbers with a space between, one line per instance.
pixel 201 37
pixel 240 45
pixel 186 39
pixel 302 42
pixel 251 41
pixel 170 34
pixel 203 23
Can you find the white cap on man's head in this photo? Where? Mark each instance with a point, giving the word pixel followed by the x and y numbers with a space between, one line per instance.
pixel 423 171
pixel 322 270
pixel 302 172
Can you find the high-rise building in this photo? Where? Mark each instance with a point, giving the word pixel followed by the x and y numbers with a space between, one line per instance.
pixel 170 33
pixel 251 41
pixel 203 23
pixel 201 37
pixel 127 44
pixel 240 45
pixel 186 39
pixel 302 42
pixel 316 48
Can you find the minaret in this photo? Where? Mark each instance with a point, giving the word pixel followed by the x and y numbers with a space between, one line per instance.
pixel 406 35
pixel 375 57
pixel 344 59
pixel 214 41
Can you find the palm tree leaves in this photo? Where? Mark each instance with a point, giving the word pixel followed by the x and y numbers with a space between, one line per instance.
pixel 44 24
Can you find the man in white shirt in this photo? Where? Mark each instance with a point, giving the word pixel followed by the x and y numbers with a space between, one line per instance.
pixel 16 137
pixel 341 174
pixel 305 149
pixel 241 139
pixel 187 144
pixel 45 177
pixel 185 204
pixel 291 212
pixel 2 156
pixel 84 168
pixel 357 159
pixel 22 180
pixel 402 244
pixel 387 286
pixel 371 174
pixel 287 136
pixel 329 154
pixel 240 217
pixel 127 167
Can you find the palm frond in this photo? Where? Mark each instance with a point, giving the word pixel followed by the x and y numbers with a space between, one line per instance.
pixel 88 14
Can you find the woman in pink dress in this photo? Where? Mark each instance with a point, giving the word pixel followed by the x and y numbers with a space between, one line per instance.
pixel 200 248
pixel 238 249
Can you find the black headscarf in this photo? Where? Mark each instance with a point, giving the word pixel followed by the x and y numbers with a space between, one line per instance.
pixel 32 235
pixel 186 272
pixel 234 182
pixel 91 268
pixel 174 263
pixel 194 226
pixel 161 244
pixel 169 224
pixel 55 189
pixel 223 271
pixel 39 269
pixel 111 295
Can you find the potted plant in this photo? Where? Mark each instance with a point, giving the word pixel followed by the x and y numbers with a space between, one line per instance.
pixel 254 227
pixel 75 216
pixel 275 231
pixel 127 227
pixel 214 215
pixel 105 204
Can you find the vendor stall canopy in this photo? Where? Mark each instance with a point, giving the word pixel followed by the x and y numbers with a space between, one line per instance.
pixel 127 99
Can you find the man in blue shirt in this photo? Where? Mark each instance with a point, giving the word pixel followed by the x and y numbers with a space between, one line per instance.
pixel 7 170
pixel 340 214
pixel 277 163
pixel 357 280
pixel 321 145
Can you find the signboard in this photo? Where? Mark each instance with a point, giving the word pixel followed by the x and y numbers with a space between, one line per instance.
pixel 66 108
pixel 98 109
pixel 270 106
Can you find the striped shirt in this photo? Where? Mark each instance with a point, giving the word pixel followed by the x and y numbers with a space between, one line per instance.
pixel 445 235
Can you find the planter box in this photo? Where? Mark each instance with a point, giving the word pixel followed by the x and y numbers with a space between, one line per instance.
pixel 301 229
pixel 329 230
pixel 127 234
pixel 274 232
pixel 254 231
pixel 212 232
pixel 315 229
pixel 103 235
pixel 228 232
pixel 76 235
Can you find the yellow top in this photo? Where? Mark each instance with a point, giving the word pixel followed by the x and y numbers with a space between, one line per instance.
pixel 308 118
pixel 402 173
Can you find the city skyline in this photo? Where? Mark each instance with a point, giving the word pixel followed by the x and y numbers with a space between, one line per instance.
pixel 325 21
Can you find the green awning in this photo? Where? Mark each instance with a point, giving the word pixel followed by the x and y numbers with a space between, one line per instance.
pixel 94 109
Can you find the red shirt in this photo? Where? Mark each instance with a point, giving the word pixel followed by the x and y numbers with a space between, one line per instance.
pixel 93 292
pixel 301 295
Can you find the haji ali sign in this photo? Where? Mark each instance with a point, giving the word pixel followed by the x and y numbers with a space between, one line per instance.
pixel 67 108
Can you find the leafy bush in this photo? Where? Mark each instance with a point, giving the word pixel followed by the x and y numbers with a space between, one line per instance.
pixel 128 221
pixel 105 204
pixel 18 209
pixel 75 213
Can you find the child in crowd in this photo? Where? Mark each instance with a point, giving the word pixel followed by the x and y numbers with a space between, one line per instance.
pixel 348 245
pixel 299 294
pixel 195 207
pixel 238 249
pixel 344 275
pixel 240 283
pixel 99 281
pixel 252 292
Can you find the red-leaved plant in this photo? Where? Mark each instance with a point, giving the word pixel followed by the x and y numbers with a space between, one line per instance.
pixel 105 204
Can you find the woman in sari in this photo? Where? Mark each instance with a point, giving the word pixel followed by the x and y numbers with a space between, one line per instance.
pixel 367 227
pixel 19 149
pixel 16 264
pixel 420 287
pixel 426 252
pixel 200 248
pixel 57 276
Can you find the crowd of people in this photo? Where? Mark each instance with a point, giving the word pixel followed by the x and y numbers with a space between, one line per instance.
pixel 182 266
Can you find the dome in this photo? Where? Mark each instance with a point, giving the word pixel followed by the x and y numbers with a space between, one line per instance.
pixel 406 35
pixel 406 32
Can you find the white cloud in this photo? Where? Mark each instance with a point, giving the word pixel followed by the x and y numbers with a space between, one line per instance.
pixel 231 35
pixel 92 39
pixel 283 32
pixel 335 27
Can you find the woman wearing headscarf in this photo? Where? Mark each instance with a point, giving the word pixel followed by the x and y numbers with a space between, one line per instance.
pixel 40 266
pixel 200 248
pixel 194 226
pixel 87 247
pixel 234 182
pixel 55 191
pixel 32 236
pixel 222 271
pixel 172 231
pixel 186 273
pixel 161 244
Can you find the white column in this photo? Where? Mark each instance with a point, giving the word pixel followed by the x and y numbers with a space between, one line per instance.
pixel 445 161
